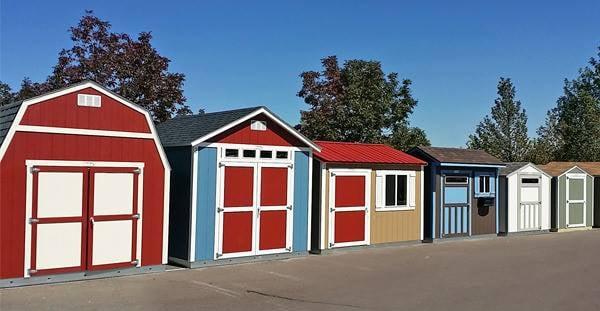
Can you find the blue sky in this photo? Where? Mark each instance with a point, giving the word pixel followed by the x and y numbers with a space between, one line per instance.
pixel 248 53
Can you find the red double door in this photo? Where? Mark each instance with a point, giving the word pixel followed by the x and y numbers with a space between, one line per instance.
pixel 255 210
pixel 83 219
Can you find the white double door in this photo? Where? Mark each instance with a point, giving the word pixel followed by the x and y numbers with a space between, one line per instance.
pixel 83 219
pixel 254 212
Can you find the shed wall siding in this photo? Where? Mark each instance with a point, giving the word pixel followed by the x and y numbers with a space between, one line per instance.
pixel 63 111
pixel 179 213
pixel 395 226
pixel 513 203
pixel 206 202
pixel 301 205
pixel 275 135
pixel 42 146
pixel 589 221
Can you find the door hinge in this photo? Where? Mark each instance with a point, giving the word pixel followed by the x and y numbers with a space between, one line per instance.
pixel 289 207
pixel 331 209
pixel 33 220
pixel 137 171
pixel 134 262
pixel 331 244
pixel 291 166
pixel 31 271
pixel 289 249
pixel 136 216
pixel 220 209
pixel 218 255
pixel 221 164
pixel 34 169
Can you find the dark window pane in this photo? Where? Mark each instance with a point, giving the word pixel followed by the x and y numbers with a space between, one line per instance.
pixel 390 190
pixel 530 181
pixel 266 154
pixel 482 184
pixel 249 153
pixel 456 179
pixel 282 155
pixel 231 153
pixel 487 184
pixel 401 190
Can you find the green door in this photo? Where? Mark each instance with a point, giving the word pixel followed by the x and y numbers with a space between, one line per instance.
pixel 576 203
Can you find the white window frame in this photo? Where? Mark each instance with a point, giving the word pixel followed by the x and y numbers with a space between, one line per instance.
pixel 381 190
pixel 489 190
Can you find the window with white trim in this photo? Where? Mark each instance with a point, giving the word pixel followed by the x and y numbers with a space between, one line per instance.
pixel 89 100
pixel 484 184
pixel 257 125
pixel 395 190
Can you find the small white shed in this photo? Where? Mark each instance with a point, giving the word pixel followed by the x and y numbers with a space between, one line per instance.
pixel 524 198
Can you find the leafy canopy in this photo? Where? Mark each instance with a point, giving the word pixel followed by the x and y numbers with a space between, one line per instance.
pixel 358 102
pixel 131 67
pixel 572 128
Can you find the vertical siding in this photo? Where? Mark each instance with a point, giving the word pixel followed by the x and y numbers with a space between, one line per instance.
pixel 395 226
pixel 589 220
pixel 300 211
pixel 206 203
pixel 562 202
pixel 180 201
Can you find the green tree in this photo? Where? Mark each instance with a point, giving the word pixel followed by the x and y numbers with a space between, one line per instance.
pixel 504 132
pixel 358 102
pixel 6 94
pixel 572 128
pixel 131 67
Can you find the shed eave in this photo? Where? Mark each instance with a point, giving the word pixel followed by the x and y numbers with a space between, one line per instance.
pixel 472 165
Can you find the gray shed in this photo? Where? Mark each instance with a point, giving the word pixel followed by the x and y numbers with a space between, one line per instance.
pixel 572 195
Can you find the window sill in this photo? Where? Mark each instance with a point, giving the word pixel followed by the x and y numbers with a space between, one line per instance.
pixel 394 209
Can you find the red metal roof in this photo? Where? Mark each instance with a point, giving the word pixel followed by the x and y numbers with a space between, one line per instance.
pixel 344 152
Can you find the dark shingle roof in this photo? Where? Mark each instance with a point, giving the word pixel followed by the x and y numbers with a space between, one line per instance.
pixel 183 130
pixel 460 155
pixel 7 116
pixel 511 167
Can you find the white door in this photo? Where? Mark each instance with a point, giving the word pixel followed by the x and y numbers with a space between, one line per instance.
pixel 349 204
pixel 530 204
pixel 576 202
pixel 114 218
pixel 58 226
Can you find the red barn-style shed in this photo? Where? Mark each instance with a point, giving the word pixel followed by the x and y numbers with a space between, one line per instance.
pixel 84 186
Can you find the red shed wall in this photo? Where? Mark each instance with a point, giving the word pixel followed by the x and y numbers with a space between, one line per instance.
pixel 63 111
pixel 275 135
pixel 42 146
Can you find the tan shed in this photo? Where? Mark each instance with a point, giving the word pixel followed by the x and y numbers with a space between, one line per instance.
pixel 365 194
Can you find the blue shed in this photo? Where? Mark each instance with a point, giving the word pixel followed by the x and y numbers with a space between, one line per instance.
pixel 240 188
pixel 460 192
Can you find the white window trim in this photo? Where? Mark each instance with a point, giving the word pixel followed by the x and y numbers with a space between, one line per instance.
pixel 489 192
pixel 409 195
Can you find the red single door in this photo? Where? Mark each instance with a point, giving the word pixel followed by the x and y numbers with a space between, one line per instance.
pixel 349 209
pixel 113 218
pixel 274 209
pixel 58 220
pixel 237 211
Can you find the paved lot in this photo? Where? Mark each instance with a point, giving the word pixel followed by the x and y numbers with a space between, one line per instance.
pixel 558 271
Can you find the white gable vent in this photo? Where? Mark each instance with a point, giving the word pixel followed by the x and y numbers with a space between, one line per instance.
pixel 256 125
pixel 88 100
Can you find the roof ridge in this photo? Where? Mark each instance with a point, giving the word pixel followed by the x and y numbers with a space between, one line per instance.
pixel 351 143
